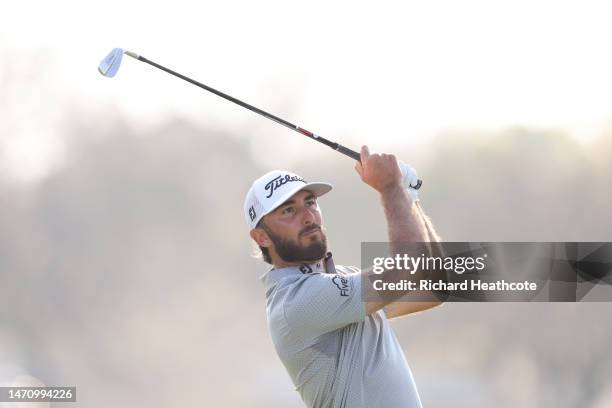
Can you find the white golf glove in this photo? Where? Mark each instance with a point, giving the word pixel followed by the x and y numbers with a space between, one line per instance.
pixel 410 180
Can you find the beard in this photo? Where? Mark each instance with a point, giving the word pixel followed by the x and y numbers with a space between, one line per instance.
pixel 291 251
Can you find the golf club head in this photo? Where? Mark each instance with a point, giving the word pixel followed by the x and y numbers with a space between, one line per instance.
pixel 110 64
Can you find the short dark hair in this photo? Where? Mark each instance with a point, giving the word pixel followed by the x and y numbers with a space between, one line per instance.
pixel 265 253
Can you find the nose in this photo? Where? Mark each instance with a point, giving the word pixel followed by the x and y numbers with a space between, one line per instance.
pixel 308 216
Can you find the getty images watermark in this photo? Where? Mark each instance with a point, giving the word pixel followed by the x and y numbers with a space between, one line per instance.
pixel 491 271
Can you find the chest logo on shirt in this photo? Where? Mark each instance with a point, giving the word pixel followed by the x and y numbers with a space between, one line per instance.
pixel 305 269
pixel 342 284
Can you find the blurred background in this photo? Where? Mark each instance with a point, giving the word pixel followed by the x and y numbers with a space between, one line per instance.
pixel 125 263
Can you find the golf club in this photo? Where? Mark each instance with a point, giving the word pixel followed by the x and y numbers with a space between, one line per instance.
pixel 110 65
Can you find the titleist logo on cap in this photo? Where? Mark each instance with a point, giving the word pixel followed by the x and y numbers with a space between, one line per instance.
pixel 279 181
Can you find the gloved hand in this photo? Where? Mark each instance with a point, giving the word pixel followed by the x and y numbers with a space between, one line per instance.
pixel 410 180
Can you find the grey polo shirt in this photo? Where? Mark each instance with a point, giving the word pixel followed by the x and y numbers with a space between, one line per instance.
pixel 336 356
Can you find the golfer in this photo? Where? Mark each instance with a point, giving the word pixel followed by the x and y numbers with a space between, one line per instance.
pixel 339 350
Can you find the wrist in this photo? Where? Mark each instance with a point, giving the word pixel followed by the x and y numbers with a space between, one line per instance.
pixel 392 192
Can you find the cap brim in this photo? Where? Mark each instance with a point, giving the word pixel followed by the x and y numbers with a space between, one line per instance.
pixel 317 188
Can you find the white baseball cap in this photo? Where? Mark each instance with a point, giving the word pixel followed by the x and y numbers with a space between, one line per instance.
pixel 274 188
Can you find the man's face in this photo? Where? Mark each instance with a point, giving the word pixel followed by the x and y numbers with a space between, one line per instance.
pixel 295 229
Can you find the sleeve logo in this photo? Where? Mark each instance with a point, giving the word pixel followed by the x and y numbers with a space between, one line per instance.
pixel 342 284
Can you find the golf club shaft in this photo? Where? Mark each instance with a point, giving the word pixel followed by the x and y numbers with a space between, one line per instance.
pixel 336 146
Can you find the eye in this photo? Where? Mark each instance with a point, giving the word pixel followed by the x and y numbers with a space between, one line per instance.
pixel 311 203
pixel 288 210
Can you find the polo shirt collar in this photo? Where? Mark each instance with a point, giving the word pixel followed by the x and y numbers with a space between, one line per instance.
pixel 274 275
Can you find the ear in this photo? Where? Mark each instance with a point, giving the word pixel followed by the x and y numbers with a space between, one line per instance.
pixel 260 237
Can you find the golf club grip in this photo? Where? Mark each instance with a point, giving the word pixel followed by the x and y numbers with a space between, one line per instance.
pixel 350 153
pixel 353 154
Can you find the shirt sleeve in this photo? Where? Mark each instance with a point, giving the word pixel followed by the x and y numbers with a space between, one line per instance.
pixel 320 303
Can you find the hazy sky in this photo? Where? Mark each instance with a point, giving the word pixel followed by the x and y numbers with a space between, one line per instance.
pixel 397 72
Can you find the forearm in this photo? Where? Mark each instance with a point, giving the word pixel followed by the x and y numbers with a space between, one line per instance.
pixel 406 228
pixel 408 225
pixel 405 223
